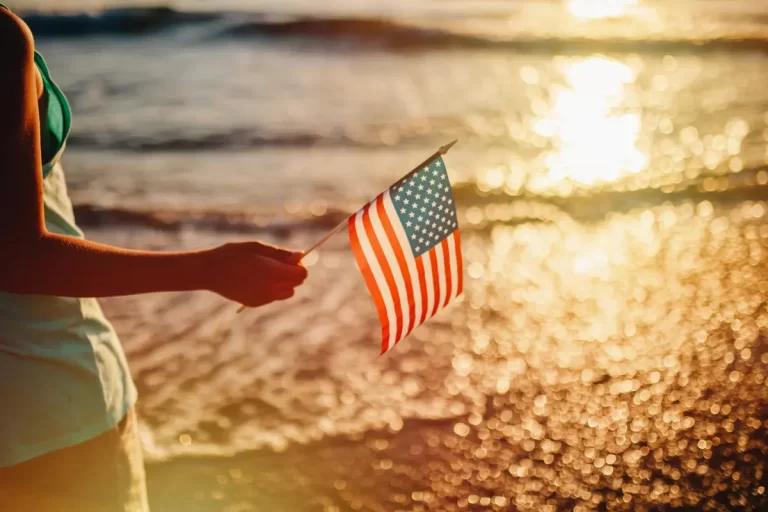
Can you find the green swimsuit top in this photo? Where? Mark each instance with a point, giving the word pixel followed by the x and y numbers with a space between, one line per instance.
pixel 58 119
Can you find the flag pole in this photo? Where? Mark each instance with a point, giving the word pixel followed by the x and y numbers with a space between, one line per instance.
pixel 341 225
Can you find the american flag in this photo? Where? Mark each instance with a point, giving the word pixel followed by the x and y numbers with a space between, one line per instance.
pixel 406 243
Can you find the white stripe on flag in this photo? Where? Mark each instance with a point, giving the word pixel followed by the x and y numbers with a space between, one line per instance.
pixel 430 301
pixel 378 275
pixel 452 248
pixel 440 274
pixel 402 237
pixel 389 255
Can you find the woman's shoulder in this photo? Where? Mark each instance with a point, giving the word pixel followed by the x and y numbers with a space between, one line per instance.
pixel 15 39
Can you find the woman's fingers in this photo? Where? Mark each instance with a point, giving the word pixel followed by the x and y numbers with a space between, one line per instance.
pixel 276 253
pixel 284 294
pixel 255 274
pixel 278 271
pixel 268 296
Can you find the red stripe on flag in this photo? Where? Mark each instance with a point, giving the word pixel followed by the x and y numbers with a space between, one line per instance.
pixel 459 263
pixel 384 264
pixel 395 243
pixel 422 289
pixel 370 281
pixel 435 280
pixel 447 263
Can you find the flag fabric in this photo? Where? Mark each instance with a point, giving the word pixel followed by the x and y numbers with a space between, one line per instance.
pixel 407 246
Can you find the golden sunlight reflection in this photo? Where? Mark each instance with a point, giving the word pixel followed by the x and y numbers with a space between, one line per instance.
pixel 594 136
pixel 599 9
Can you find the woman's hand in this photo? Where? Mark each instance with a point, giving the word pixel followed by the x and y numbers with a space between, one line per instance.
pixel 254 274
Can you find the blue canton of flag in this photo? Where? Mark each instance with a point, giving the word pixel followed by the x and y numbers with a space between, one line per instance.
pixel 424 204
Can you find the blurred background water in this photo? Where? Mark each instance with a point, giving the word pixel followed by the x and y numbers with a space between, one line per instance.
pixel 611 177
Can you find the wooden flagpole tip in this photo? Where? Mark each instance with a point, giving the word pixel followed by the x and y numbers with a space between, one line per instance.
pixel 447 147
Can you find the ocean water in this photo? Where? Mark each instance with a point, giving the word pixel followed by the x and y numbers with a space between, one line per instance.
pixel 611 177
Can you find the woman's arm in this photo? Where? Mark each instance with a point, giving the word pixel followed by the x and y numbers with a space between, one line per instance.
pixel 35 261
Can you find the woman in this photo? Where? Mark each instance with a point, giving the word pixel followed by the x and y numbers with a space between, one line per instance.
pixel 67 427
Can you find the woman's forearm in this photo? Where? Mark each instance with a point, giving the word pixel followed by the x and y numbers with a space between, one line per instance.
pixel 72 267
pixel 33 261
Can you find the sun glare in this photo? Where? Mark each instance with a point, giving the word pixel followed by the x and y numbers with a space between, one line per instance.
pixel 593 140
pixel 599 9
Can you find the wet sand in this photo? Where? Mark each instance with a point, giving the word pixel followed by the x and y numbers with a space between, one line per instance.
pixel 610 365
